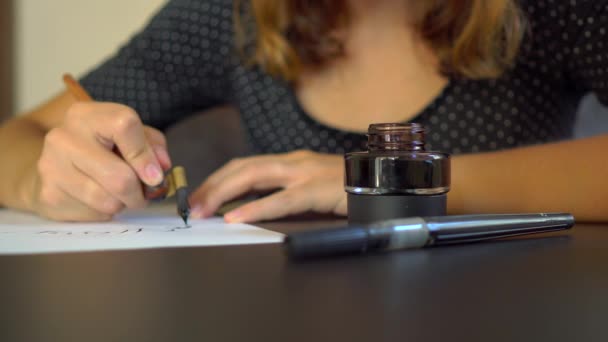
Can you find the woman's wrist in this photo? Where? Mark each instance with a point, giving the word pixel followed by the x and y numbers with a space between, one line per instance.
pixel 28 189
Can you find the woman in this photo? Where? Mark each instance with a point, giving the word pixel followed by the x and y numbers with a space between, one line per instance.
pixel 490 79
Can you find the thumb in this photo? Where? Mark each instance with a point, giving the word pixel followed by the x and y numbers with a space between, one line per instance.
pixel 126 131
pixel 159 145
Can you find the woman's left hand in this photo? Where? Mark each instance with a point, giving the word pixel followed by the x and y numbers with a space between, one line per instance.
pixel 309 181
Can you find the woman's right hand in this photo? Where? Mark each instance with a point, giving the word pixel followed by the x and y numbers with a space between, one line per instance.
pixel 92 165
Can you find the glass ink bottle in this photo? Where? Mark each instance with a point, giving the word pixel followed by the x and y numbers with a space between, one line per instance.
pixel 396 177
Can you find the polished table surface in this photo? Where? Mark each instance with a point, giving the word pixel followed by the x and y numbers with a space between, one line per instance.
pixel 549 288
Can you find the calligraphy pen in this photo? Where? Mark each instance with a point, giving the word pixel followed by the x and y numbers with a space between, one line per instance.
pixel 418 232
pixel 174 182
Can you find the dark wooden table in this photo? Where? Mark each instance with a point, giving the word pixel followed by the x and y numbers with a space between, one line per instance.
pixel 553 288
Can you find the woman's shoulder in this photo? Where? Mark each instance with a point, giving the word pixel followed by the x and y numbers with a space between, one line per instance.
pixel 567 40
pixel 563 14
pixel 199 32
pixel 179 63
pixel 201 13
pixel 211 6
pixel 561 28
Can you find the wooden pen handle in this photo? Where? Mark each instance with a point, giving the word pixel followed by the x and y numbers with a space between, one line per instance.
pixel 76 89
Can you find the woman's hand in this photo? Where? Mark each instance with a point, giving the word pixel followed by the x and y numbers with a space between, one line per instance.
pixel 92 165
pixel 308 181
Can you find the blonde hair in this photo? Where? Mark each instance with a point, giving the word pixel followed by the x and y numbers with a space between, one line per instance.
pixel 472 38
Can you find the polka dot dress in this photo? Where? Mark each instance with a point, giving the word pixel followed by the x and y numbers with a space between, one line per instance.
pixel 184 61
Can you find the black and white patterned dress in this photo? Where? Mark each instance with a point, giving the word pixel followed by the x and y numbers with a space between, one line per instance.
pixel 185 61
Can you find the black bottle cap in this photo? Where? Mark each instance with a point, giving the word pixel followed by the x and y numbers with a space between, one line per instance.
pixel 326 242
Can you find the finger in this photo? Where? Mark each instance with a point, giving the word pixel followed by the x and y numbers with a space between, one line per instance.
pixel 114 176
pixel 252 176
pixel 155 136
pixel 283 203
pixel 122 126
pixel 341 207
pixel 320 197
pixel 94 161
pixel 239 164
pixel 159 145
pixel 90 193
pixel 58 205
pixel 109 171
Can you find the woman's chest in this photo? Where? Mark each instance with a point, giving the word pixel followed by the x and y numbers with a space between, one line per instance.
pixel 379 85
pixel 465 116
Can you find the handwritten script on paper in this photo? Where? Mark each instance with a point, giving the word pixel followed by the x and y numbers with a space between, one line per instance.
pixel 22 233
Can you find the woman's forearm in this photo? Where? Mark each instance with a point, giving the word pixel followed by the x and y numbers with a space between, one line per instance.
pixel 567 176
pixel 20 146
pixel 21 141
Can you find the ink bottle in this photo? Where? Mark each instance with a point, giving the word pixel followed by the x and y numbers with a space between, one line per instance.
pixel 396 177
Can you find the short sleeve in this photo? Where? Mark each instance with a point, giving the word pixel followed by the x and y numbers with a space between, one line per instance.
pixel 178 64
pixel 588 48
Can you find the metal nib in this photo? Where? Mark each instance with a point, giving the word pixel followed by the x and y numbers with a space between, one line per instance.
pixel 185 218
pixel 184 213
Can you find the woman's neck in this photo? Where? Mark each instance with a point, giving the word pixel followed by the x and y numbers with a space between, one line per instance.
pixel 376 24
pixel 384 13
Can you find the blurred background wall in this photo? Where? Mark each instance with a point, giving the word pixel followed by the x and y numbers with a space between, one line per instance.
pixel 57 36
pixel 6 59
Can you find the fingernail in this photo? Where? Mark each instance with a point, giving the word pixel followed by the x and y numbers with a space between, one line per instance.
pixel 196 211
pixel 163 156
pixel 234 216
pixel 154 174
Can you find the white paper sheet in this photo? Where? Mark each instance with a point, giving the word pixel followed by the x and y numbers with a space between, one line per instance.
pixel 22 233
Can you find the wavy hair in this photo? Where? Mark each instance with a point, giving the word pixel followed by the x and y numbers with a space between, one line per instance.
pixel 472 38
